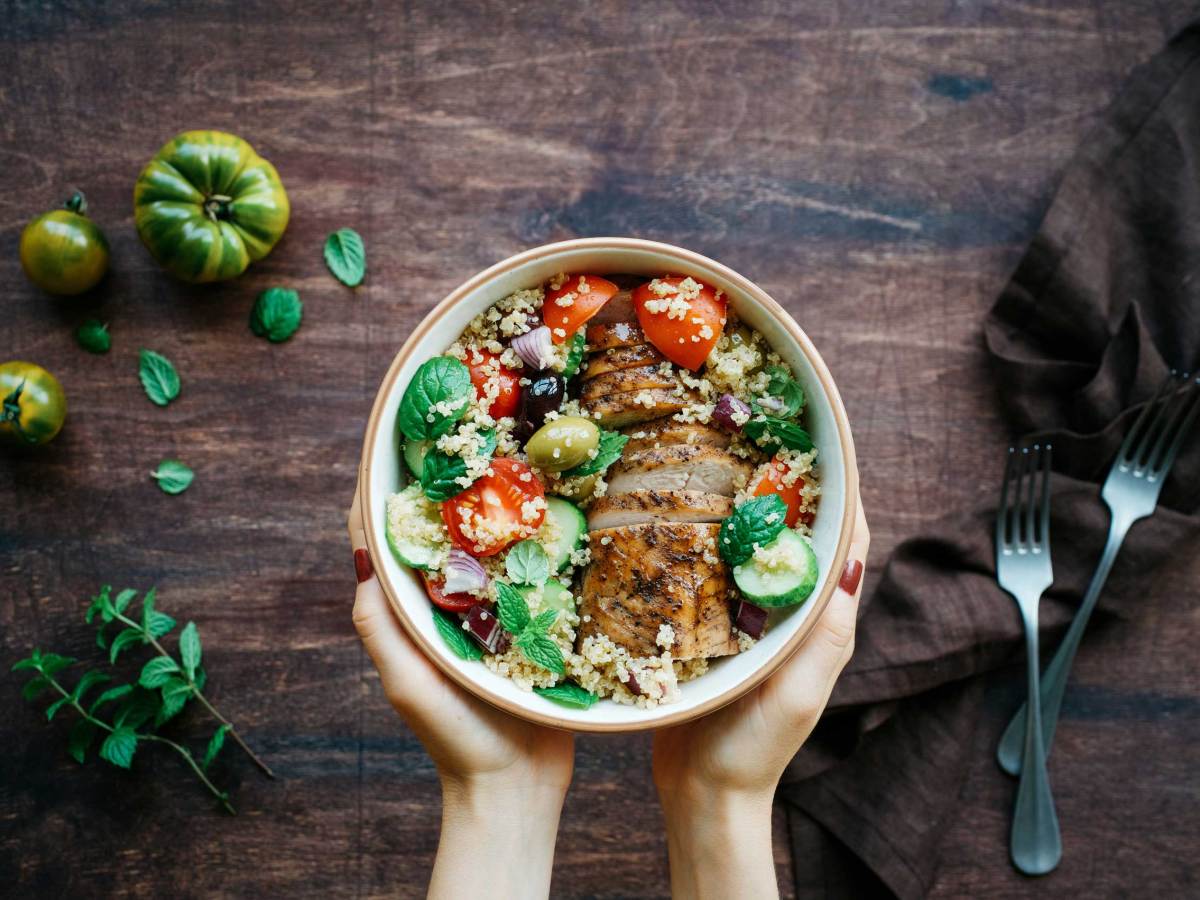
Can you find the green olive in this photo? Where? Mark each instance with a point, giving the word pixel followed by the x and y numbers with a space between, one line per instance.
pixel 563 443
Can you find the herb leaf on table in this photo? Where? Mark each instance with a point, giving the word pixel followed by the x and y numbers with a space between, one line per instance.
pixel 173 476
pixel 346 256
pixel 158 376
pixel 93 336
pixel 276 314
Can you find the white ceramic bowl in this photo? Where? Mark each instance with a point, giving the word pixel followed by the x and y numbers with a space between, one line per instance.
pixel 825 418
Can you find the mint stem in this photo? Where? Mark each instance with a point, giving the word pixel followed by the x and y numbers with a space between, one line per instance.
pixel 181 750
pixel 150 639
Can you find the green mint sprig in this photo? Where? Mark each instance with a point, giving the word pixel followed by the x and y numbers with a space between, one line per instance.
pixel 164 686
pixel 530 633
pixel 755 522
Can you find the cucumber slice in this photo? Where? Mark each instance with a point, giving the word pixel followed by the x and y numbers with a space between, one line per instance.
pixel 414 528
pixel 414 456
pixel 555 595
pixel 788 580
pixel 572 526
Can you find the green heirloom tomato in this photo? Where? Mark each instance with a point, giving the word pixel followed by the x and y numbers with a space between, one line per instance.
pixel 206 206
pixel 63 251
pixel 34 405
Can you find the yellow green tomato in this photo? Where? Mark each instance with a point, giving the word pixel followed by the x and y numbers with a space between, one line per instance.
pixel 34 405
pixel 563 443
pixel 64 252
pixel 206 206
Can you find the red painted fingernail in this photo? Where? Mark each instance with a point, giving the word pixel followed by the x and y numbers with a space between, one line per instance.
pixel 851 576
pixel 362 565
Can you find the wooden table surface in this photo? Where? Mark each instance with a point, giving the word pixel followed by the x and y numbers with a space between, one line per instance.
pixel 876 166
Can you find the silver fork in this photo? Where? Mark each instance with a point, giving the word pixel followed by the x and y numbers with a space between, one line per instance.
pixel 1023 569
pixel 1131 492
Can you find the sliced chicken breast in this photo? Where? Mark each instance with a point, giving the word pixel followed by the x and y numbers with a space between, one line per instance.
pixel 679 467
pixel 621 358
pixel 638 507
pixel 623 380
pixel 645 576
pixel 619 308
pixel 608 335
pixel 663 432
pixel 615 410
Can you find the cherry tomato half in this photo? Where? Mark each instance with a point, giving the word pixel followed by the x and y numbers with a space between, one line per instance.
pixel 490 514
pixel 484 365
pixel 684 338
pixel 772 483
pixel 564 321
pixel 455 603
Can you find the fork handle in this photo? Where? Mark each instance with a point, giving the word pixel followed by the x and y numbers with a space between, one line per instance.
pixel 1035 843
pixel 1054 679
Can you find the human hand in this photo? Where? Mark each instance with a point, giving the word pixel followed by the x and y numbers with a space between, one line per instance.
pixel 716 776
pixel 503 779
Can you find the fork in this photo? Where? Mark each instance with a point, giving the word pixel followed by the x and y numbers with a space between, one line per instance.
pixel 1023 569
pixel 1131 492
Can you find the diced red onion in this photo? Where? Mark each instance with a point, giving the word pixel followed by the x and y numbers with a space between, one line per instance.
pixel 536 348
pixel 751 619
pixel 632 684
pixel 484 626
pixel 463 573
pixel 725 409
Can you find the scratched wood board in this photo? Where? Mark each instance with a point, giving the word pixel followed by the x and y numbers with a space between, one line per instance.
pixel 877 167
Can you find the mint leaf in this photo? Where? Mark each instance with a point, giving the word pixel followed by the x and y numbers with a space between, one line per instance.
pixel 607 452
pixel 34 687
pixel 159 378
pixel 98 605
pixel 113 693
pixel 511 608
pixel 118 748
pixel 121 602
pixel 276 314
pixel 157 671
pixel 136 709
pixel 346 256
pixel 173 476
pixel 29 663
pixel 93 337
pixel 756 521
pixel 574 355
pixel 189 648
pixel 153 621
pixel 440 382
pixel 215 743
pixel 768 431
pixel 89 680
pixel 456 639
pixel 174 694
pixel 540 649
pixel 543 620
pixel 126 638
pixel 80 739
pixel 786 395
pixel 527 563
pixel 440 471
pixel 53 663
pixel 56 706
pixel 568 694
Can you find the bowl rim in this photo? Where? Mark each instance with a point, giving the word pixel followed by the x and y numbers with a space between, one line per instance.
pixel 685 258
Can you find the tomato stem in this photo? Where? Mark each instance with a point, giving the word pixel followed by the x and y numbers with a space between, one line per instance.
pixel 12 413
pixel 77 203
pixel 216 207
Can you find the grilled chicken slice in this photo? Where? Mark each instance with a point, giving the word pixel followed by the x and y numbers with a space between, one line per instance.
pixel 621 358
pixel 679 467
pixel 619 308
pixel 667 431
pixel 638 507
pixel 615 410
pixel 623 380
pixel 645 576
pixel 609 335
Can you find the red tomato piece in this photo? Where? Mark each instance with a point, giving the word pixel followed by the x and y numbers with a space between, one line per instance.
pixel 772 483
pixel 685 336
pixel 508 401
pixel 491 513
pixel 564 321
pixel 455 603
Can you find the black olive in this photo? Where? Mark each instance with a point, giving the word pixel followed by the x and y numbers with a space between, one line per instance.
pixel 544 394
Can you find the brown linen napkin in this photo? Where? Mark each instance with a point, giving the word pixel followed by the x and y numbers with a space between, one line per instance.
pixel 1104 303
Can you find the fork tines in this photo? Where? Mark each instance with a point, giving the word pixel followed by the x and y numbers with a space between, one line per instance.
pixel 1023 522
pixel 1154 440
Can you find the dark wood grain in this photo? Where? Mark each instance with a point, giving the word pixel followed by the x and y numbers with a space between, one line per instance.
pixel 875 166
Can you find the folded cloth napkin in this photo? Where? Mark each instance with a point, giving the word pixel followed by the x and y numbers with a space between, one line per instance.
pixel 1104 303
